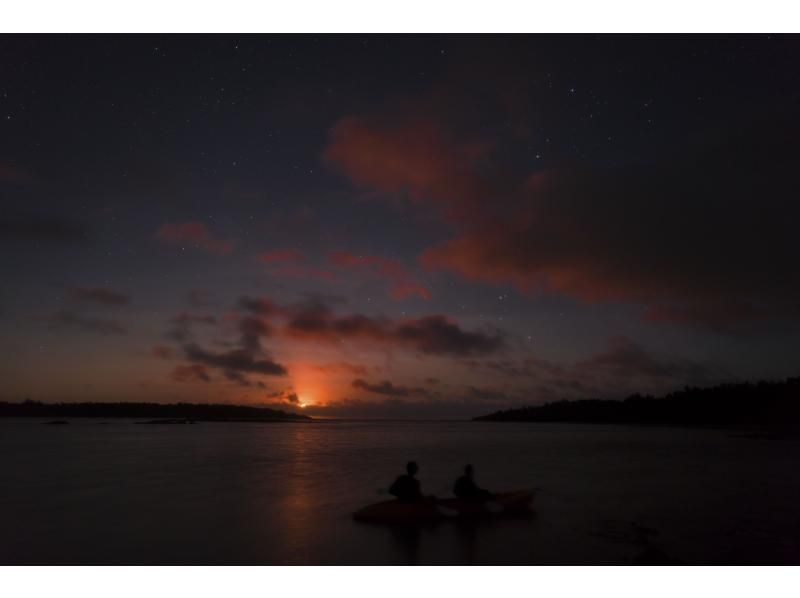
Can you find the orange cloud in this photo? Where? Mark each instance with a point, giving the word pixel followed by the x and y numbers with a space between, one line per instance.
pixel 673 237
pixel 412 156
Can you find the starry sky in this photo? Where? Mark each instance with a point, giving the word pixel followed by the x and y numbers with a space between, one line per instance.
pixel 396 226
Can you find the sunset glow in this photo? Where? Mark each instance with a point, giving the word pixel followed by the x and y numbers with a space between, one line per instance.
pixel 441 248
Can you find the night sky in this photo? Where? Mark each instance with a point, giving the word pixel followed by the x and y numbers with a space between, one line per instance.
pixel 399 226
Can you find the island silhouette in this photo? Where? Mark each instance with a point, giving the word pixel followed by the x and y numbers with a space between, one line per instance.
pixel 746 404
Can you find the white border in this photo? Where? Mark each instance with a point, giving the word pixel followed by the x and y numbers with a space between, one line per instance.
pixel 405 16
pixel 400 582
pixel 426 16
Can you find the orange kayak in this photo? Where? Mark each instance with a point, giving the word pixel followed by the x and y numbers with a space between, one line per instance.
pixel 396 512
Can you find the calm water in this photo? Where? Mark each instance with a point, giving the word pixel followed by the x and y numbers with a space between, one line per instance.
pixel 217 493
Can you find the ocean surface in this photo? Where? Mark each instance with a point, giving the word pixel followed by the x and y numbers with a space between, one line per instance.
pixel 250 493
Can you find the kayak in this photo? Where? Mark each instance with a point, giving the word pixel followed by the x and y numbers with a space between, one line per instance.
pixel 402 513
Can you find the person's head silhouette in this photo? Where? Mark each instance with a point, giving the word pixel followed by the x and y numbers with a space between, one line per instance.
pixel 468 471
pixel 411 468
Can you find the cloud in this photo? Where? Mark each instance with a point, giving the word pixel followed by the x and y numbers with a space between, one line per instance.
pixel 410 156
pixel 438 335
pixel 247 356
pixel 37 227
pixel 382 388
pixel 64 319
pixel 237 377
pixel 315 321
pixel 239 360
pixel 705 237
pixel 251 330
pixel 196 234
pixel 402 283
pixel 431 335
pixel 190 373
pixel 285 396
pixel 676 241
pixel 100 296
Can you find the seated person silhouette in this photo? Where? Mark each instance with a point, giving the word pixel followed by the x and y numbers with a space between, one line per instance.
pixel 467 490
pixel 406 487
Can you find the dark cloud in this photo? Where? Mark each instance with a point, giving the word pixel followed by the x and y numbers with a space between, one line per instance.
pixel 100 296
pixel 382 388
pixel 285 396
pixel 251 331
pixel 438 335
pixel 67 320
pixel 236 360
pixel 237 377
pixel 432 335
pixel 314 320
pixel 245 356
pixel 190 373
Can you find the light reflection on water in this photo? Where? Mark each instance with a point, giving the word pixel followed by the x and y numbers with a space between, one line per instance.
pixel 284 493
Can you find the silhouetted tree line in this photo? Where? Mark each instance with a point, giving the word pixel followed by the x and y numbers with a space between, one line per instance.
pixel 192 411
pixel 727 404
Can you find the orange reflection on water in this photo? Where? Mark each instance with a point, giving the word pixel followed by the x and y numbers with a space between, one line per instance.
pixel 299 505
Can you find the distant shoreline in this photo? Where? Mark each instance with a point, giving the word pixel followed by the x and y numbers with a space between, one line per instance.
pixel 724 406
pixel 188 412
